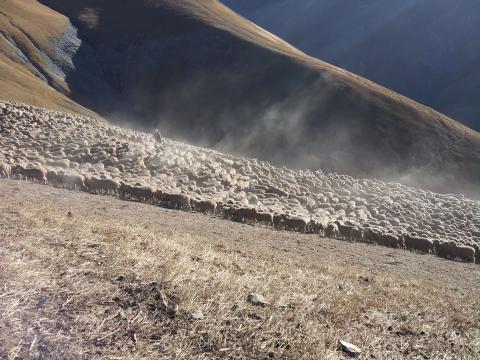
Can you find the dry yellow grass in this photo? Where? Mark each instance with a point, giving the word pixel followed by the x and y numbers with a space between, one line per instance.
pixel 32 26
pixel 20 84
pixel 39 21
pixel 76 284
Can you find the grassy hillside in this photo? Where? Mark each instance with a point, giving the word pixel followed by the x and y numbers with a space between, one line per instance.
pixel 26 28
pixel 204 74
pixel 93 277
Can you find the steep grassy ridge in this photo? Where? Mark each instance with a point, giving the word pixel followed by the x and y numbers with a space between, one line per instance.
pixel 26 74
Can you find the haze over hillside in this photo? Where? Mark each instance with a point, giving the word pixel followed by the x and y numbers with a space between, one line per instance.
pixel 203 74
pixel 426 50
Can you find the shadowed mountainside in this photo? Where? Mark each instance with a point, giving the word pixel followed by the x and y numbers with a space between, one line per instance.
pixel 203 74
pixel 426 50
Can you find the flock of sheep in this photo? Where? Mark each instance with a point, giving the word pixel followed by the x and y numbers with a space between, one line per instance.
pixel 76 152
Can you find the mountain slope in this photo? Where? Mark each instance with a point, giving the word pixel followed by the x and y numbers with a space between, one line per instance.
pixel 75 273
pixel 203 74
pixel 27 59
pixel 427 50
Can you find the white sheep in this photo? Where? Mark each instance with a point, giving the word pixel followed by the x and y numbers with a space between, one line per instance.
pixel 5 170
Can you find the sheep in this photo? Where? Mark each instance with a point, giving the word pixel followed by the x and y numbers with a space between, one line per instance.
pixel 341 192
pixel 452 250
pixel 176 201
pixel 182 201
pixel 157 197
pixel 418 243
pixel 476 247
pixel 204 206
pixel 36 173
pixel 371 236
pixel 296 223
pixel 332 231
pixel 18 170
pixel 5 170
pixel 143 193
pixel 242 214
pixel 357 234
pixel 53 177
pixel 343 230
pixel 315 227
pixel 103 186
pixel 277 191
pixel 279 221
pixel 70 180
pixel 349 232
pixel 63 163
pixel 232 212
pixel 390 240
pixel 465 253
pixel 265 218
pixel 124 190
